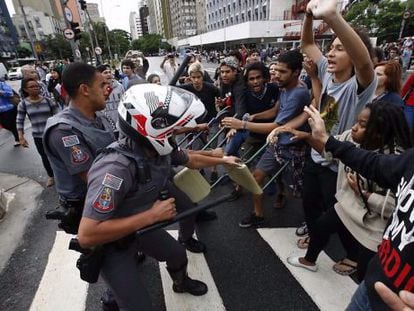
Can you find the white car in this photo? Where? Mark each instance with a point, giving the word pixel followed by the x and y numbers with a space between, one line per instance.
pixel 15 73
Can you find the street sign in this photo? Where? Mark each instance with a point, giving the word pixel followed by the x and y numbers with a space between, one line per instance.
pixel 98 50
pixel 68 34
pixel 78 53
pixel 68 14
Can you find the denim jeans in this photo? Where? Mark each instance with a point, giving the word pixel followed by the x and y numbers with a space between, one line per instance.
pixel 360 301
pixel 233 147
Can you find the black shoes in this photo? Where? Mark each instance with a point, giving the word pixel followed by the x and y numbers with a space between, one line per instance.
pixel 251 221
pixel 193 245
pixel 182 283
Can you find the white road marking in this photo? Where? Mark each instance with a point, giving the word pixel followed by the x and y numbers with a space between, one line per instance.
pixel 197 269
pixel 61 287
pixel 329 290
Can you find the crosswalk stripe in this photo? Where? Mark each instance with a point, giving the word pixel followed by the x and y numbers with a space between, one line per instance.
pixel 197 269
pixel 60 287
pixel 329 290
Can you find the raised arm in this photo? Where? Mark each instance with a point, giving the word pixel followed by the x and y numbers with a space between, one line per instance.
pixel 352 43
pixel 307 41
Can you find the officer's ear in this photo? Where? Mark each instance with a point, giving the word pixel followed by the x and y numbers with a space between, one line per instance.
pixel 83 90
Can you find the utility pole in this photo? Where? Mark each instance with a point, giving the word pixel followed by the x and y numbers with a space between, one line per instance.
pixel 26 28
pixel 92 31
pixel 73 44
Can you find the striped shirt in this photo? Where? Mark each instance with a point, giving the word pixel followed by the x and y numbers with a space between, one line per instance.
pixel 38 114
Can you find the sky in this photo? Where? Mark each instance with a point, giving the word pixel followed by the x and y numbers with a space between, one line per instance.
pixel 116 12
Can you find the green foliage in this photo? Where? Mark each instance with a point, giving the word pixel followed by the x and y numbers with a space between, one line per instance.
pixel 56 47
pixel 22 52
pixel 382 19
pixel 149 44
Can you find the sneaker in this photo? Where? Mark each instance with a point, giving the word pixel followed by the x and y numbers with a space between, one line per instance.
pixel 206 216
pixel 251 221
pixel 16 144
pixel 213 177
pixel 193 245
pixel 50 182
pixel 235 194
pixel 302 230
pixel 294 261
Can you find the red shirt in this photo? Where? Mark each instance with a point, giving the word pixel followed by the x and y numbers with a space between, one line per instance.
pixel 408 88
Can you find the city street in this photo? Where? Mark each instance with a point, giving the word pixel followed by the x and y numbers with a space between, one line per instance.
pixel 245 269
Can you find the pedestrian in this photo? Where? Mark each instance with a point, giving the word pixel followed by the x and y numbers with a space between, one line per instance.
pixel 30 72
pixel 123 198
pixel 169 66
pixel 154 78
pixel 348 84
pixel 363 208
pixel 128 69
pixel 392 265
pixel 407 93
pixel 8 111
pixel 389 76
pixel 54 87
pixel 38 109
pixel 115 92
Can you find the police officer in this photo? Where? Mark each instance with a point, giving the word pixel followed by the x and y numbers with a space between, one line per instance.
pixel 124 184
pixel 73 137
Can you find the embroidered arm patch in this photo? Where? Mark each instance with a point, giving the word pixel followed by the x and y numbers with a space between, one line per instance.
pixel 69 141
pixel 112 181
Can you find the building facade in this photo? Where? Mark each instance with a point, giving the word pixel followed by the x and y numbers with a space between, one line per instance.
pixel 93 11
pixel 201 13
pixel 135 25
pixel 8 34
pixel 183 18
pixel 224 13
pixel 155 22
pixel 143 17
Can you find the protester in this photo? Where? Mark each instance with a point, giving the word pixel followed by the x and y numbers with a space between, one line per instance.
pixel 30 72
pixel 8 111
pixel 363 208
pixel 348 83
pixel 154 78
pixel 38 109
pixel 55 87
pixel 169 66
pixel 389 76
pixel 392 265
pixel 128 69
pixel 293 97
pixel 407 93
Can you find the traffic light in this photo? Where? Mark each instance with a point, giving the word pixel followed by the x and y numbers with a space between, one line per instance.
pixel 82 4
pixel 75 27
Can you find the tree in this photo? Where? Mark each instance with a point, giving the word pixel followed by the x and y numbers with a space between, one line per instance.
pixel 23 52
pixel 149 44
pixel 56 47
pixel 382 19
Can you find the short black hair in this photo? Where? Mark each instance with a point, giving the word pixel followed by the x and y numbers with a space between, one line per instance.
pixel 129 63
pixel 102 68
pixel 76 74
pixel 256 66
pixel 293 59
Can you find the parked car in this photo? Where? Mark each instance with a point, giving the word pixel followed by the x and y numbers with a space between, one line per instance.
pixel 15 73
pixel 3 72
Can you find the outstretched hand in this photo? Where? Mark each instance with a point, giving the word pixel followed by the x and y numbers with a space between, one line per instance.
pixel 321 8
pixel 272 138
pixel 317 125
pixel 231 160
pixel 403 302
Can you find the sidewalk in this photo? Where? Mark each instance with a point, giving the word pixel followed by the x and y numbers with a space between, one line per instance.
pixel 19 214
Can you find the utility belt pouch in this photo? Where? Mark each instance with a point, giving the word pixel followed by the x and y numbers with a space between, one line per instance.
pixel 69 212
pixel 90 261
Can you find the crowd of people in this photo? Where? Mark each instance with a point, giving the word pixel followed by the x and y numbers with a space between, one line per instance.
pixel 305 109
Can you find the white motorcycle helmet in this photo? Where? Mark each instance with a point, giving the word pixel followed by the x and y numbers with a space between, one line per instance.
pixel 154 111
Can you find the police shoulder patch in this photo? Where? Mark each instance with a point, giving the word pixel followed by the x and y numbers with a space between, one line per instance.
pixel 112 181
pixel 78 155
pixel 104 202
pixel 69 141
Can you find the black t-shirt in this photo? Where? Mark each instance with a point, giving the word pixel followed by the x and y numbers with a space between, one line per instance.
pixel 256 103
pixel 207 95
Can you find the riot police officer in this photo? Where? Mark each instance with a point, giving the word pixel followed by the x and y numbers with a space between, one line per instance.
pixel 73 137
pixel 124 184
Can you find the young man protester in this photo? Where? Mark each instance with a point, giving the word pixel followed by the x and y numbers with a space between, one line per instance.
pixel 293 97
pixel 128 68
pixel 124 188
pixel 348 83
pixel 116 90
